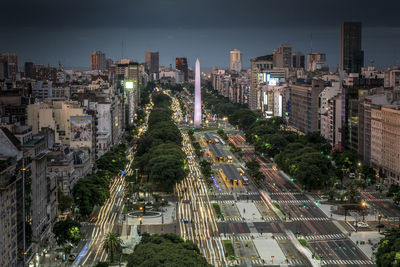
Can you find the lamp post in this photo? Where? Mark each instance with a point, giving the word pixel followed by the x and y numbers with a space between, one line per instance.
pixel 363 204
pixel 379 222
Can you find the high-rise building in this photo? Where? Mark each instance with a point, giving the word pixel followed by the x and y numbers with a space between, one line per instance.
pixel 98 60
pixel 181 64
pixel 28 69
pixel 283 56
pixel 298 60
pixel 152 62
pixel 304 105
pixel 236 60
pixel 316 61
pixel 258 65
pixel 12 60
pixel 330 113
pixel 8 210
pixel 351 54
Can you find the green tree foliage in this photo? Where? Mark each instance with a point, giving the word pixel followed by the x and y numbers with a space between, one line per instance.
pixel 112 244
pixel 159 152
pixel 67 231
pixel 101 264
pixel 64 201
pixel 166 250
pixel 389 249
pixel 243 118
pixel 205 168
pixel 94 189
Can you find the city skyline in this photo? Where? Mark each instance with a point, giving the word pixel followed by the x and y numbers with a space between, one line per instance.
pixel 184 31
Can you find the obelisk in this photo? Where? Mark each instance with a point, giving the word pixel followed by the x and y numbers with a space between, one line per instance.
pixel 197 96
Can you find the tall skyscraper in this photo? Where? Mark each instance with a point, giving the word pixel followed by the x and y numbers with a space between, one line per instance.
pixel 181 64
pixel 152 62
pixel 197 96
pixel 236 60
pixel 351 55
pixel 98 60
pixel 283 56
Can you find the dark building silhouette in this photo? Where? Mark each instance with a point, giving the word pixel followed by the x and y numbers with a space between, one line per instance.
pixel 28 69
pixel 351 55
pixel 181 64
pixel 152 62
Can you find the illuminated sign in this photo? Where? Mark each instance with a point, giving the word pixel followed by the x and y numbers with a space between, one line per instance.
pixel 128 85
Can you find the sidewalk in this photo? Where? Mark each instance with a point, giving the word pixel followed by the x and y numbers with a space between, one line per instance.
pixel 374 236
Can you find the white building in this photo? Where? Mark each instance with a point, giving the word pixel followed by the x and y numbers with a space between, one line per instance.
pixel 330 114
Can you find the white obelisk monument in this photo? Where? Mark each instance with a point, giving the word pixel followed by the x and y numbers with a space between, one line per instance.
pixel 197 96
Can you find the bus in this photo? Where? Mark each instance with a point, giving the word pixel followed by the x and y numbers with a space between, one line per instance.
pixel 245 180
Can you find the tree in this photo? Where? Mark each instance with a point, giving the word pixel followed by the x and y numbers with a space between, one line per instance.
pixel 101 264
pixel 166 250
pixel 64 201
pixel 388 253
pixel 67 231
pixel 112 244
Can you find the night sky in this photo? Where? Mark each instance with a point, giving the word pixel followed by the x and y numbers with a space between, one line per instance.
pixel 48 31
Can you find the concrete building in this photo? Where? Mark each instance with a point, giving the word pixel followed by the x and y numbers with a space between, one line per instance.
pixel 303 106
pixel 258 65
pixel 152 62
pixel 12 63
pixel 236 60
pixel 298 60
pixel 283 56
pixel 392 77
pixel 9 175
pixel 330 113
pixel 42 89
pixel 43 192
pixel 316 61
pixel 351 53
pixel 98 61
pixel 60 167
pixel 182 65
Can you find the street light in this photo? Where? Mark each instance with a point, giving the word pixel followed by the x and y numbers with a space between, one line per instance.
pixel 379 222
pixel 363 204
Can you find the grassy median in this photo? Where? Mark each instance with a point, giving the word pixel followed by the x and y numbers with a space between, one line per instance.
pixel 229 248
pixel 217 209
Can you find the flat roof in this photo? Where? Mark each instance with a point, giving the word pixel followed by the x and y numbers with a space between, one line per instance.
pixel 217 150
pixel 231 172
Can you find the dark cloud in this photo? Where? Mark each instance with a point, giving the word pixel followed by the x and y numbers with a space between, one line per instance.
pixel 47 31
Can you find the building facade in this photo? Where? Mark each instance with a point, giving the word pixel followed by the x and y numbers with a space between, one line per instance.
pixel 236 60
pixel 351 53
pixel 98 61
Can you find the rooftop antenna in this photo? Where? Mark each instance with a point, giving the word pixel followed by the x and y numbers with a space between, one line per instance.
pixel 122 49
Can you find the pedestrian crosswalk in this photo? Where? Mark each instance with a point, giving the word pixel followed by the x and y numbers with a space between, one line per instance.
pixel 285 193
pixel 281 237
pixel 310 219
pixel 241 219
pixel 296 201
pixel 297 262
pixel 324 237
pixel 349 262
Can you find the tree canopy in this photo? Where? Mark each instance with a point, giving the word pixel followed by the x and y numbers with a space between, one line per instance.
pixel 67 231
pixel 389 249
pixel 166 250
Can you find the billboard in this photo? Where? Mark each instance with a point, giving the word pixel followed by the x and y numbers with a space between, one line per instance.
pixel 81 128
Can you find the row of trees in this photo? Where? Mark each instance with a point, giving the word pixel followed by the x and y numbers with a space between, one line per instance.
pixel 94 189
pixel 159 154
